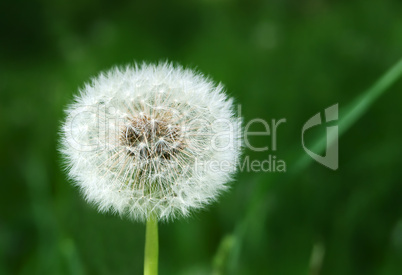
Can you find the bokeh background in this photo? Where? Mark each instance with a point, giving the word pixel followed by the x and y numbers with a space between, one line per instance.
pixel 278 59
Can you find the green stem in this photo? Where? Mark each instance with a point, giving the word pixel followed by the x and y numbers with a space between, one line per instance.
pixel 151 247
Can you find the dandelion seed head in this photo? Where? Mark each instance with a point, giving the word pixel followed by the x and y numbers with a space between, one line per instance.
pixel 149 140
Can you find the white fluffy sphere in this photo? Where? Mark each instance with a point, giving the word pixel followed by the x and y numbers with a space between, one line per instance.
pixel 151 140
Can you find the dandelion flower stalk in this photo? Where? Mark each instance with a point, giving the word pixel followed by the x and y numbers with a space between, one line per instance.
pixel 151 143
pixel 151 247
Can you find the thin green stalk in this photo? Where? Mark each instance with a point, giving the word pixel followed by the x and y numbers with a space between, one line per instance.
pixel 151 247
pixel 355 110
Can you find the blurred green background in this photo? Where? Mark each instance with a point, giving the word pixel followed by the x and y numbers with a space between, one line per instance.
pixel 279 59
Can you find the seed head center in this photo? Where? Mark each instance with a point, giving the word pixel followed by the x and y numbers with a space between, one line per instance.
pixel 147 138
